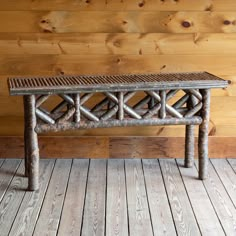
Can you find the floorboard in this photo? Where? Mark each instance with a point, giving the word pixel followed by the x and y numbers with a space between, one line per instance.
pixel 7 172
pixel 138 209
pixel 181 208
pixel 118 197
pixel 161 216
pixel 205 214
pixel 50 214
pixel 12 200
pixel 94 212
pixel 30 207
pixel 221 201
pixel 116 214
pixel 227 177
pixel 72 213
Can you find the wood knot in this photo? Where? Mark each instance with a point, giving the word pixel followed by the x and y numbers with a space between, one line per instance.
pixel 124 22
pixel 141 4
pixel 47 26
pixel 226 22
pixel 116 44
pixel 59 71
pixel 163 67
pixel 186 24
pixel 209 8
pixel 47 31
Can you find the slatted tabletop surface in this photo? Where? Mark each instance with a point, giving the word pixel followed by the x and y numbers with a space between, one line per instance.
pixel 101 83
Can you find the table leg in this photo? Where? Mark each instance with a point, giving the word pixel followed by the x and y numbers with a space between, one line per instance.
pixel 203 134
pixel 25 136
pixel 31 139
pixel 189 146
pixel 189 136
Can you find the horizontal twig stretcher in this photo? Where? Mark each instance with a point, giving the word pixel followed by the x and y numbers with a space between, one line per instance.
pixel 166 99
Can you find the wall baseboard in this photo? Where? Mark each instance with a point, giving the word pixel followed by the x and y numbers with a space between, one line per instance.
pixel 115 147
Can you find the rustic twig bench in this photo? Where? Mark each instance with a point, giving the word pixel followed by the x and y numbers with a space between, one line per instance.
pixel 154 108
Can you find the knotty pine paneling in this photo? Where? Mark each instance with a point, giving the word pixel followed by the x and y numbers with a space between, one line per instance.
pixel 39 38
pixel 15 65
pixel 117 43
pixel 122 21
pixel 124 5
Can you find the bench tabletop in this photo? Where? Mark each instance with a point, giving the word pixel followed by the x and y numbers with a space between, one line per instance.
pixel 103 83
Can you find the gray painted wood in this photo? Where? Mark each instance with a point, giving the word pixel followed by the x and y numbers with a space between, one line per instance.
pixel 221 201
pixel 1 162
pixel 181 208
pixel 30 207
pixel 72 213
pixel 94 211
pixel 12 200
pixel 7 172
pixel 205 214
pixel 227 176
pixel 159 206
pixel 116 214
pixel 211 200
pixel 49 217
pixel 138 210
pixel 232 163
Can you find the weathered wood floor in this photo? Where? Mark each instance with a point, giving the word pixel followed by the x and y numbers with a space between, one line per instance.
pixel 118 197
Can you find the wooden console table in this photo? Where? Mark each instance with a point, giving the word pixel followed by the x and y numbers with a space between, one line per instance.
pixel 156 107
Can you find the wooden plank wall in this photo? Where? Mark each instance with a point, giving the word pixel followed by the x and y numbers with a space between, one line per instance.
pixel 129 36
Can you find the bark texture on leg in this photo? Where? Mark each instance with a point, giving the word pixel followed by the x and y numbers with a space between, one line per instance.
pixel 203 135
pixel 189 136
pixel 32 143
pixel 189 146
pixel 25 137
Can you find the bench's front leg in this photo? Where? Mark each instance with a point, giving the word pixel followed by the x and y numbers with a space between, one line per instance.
pixel 189 146
pixel 31 141
pixel 203 134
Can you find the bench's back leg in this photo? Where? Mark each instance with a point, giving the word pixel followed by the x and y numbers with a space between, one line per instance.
pixel 203 134
pixel 25 136
pixel 31 141
pixel 189 136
